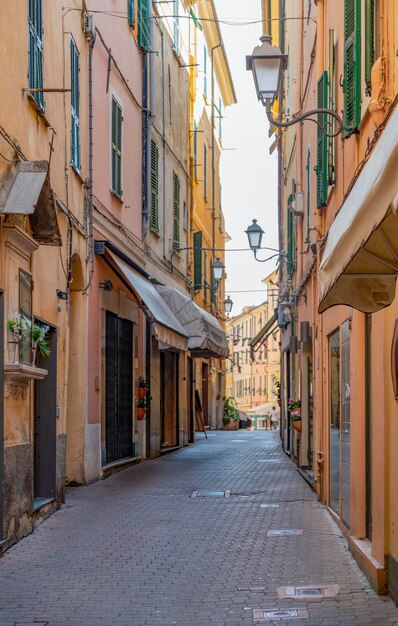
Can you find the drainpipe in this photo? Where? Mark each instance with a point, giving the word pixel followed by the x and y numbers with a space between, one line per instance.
pixel 299 139
pixel 213 172
pixel 164 142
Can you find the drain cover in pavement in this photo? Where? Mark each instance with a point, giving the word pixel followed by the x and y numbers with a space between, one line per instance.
pixel 308 592
pixel 269 506
pixel 285 532
pixel 211 494
pixel 268 615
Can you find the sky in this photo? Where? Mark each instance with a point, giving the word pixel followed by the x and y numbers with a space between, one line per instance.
pixel 248 172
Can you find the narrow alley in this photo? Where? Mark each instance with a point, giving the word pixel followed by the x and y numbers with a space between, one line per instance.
pixel 144 547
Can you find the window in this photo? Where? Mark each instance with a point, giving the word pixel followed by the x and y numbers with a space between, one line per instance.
pixel 154 218
pixel 195 150
pixel 176 211
pixel 75 106
pixel 176 27
pixel 205 71
pixel 130 11
pixel 185 216
pixel 291 236
pixel 352 66
pixel 35 23
pixel 144 15
pixel 205 170
pixel 322 143
pixel 116 156
pixel 197 262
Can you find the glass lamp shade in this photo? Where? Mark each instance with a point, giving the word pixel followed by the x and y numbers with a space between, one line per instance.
pixel 266 63
pixel 287 310
pixel 217 269
pixel 228 304
pixel 254 234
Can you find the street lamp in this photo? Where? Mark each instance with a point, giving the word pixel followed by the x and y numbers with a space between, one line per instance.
pixel 217 269
pixel 267 64
pixel 255 234
pixel 228 304
pixel 285 314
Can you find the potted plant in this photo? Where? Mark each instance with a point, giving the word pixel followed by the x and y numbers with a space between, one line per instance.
pixel 141 409
pixel 143 388
pixel 231 415
pixel 40 341
pixel 28 337
pixel 294 408
pixel 277 389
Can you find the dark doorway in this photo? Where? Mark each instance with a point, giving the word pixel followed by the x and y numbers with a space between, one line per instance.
pixel 191 409
pixel 1 411
pixel 45 426
pixel 169 399
pixel 118 388
pixel 205 393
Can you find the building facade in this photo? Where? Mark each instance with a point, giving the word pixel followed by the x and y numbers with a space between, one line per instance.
pixel 337 224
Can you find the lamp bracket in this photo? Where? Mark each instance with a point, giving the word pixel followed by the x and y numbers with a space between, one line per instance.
pixel 304 116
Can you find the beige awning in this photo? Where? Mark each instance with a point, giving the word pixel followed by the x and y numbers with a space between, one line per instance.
pixel 265 331
pixel 26 190
pixel 165 326
pixel 359 266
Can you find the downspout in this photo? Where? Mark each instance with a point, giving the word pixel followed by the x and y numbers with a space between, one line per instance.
pixel 213 172
pixel 299 152
pixel 282 266
pixel 164 142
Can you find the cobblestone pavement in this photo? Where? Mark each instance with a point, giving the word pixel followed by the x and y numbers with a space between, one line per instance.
pixel 137 549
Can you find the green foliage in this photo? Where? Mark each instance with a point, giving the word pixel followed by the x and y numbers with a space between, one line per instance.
pixel 231 413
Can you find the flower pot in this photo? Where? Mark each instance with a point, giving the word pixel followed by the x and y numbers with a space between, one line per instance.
pixel 140 413
pixel 232 425
pixel 297 426
pixel 142 393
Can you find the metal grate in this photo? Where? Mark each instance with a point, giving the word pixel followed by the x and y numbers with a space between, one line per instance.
pixel 308 592
pixel 211 494
pixel 269 506
pixel 268 615
pixel 285 532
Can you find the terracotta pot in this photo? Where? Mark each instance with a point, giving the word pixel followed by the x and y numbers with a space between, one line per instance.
pixel 232 425
pixel 142 393
pixel 297 426
pixel 140 413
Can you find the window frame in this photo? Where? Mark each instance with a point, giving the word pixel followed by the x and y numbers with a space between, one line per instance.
pixel 75 147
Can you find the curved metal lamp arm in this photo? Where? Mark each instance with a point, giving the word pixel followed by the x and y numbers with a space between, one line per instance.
pixel 279 255
pixel 303 116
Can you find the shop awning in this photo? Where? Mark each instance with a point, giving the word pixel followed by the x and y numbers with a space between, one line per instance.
pixel 360 262
pixel 264 332
pixel 207 338
pixel 165 326
pixel 26 190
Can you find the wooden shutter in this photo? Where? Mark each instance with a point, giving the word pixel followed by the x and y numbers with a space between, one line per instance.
pixel 144 14
pixel 370 41
pixel 117 120
pixel 331 104
pixel 197 260
pixel 352 66
pixel 75 105
pixel 195 150
pixel 131 15
pixel 205 170
pixel 35 24
pixel 322 143
pixel 176 211
pixel 154 219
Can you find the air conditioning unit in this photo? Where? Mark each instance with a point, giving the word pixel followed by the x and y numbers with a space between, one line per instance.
pixel 89 25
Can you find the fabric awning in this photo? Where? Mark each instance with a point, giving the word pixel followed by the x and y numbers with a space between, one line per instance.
pixel 265 331
pixel 207 338
pixel 165 326
pixel 360 262
pixel 26 190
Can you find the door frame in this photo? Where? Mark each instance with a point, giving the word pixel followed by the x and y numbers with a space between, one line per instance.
pixel 1 413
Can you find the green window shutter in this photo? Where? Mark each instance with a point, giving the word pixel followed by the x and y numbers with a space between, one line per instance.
pixel 75 105
pixel 352 66
pixel 197 260
pixel 308 195
pixel 176 211
pixel 154 219
pixel 205 170
pixel 290 235
pixel 331 103
pixel 35 50
pixel 144 15
pixel 117 121
pixel 130 11
pixel 176 27
pixel 322 143
pixel 370 41
pixel 195 150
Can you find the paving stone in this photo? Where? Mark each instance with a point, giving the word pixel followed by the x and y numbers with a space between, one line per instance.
pixel 138 550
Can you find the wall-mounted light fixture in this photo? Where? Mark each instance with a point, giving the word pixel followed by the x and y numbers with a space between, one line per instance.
pixel 255 234
pixel 228 304
pixel 106 285
pixel 217 269
pixel 268 64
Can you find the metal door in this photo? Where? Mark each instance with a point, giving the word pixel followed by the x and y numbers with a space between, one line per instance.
pixel 118 387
